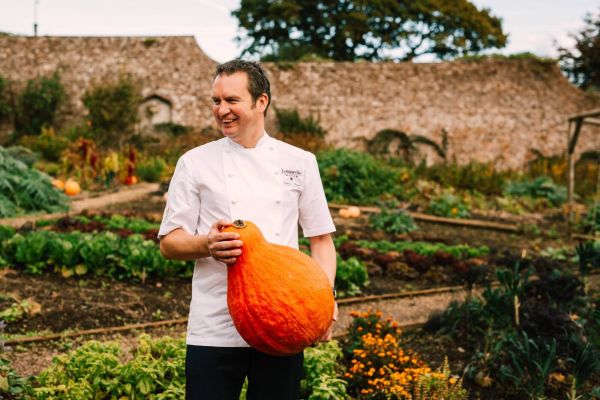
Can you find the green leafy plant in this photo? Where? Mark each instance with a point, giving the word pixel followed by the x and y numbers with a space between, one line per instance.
pixel 11 384
pixel 448 205
pixel 24 189
pixel 541 187
pixel 425 248
pixel 351 276
pixel 151 169
pixel 37 105
pixel 321 381
pixel 529 363
pixel 357 178
pixel 440 385
pixel 392 220
pixel 102 253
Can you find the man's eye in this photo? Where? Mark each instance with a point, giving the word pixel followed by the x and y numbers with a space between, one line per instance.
pixel 216 102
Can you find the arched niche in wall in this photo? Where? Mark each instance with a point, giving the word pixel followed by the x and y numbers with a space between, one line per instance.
pixel 153 110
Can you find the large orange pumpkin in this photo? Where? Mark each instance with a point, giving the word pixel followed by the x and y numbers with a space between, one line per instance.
pixel 279 298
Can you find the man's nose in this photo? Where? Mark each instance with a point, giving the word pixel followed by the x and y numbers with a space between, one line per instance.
pixel 223 110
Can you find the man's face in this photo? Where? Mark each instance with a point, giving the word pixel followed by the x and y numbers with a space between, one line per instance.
pixel 236 114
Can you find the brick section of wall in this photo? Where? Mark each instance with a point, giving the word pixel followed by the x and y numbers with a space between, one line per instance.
pixel 493 110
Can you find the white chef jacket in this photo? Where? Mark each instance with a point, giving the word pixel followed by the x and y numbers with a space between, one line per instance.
pixel 275 185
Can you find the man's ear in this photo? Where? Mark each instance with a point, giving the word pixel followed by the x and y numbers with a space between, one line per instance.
pixel 262 102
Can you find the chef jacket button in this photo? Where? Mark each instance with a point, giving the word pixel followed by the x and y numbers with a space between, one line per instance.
pixel 277 234
pixel 271 148
pixel 278 201
pixel 229 175
pixel 233 201
pixel 226 151
pixel 276 172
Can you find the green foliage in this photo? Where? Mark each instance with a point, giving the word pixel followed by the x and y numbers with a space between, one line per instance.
pixel 392 220
pixel 151 169
pixel 24 189
pixel 448 205
pixel 289 122
pixel 321 380
pixel 37 105
pixel 591 222
pixel 425 248
pixel 172 128
pixel 48 144
pixel 95 371
pixel 113 110
pixel 351 276
pixel 529 363
pixel 11 384
pixel 5 108
pixel 156 370
pixel 23 154
pixel 357 178
pixel 582 63
pixel 541 187
pixel 347 31
pixel 440 385
pixel 102 253
pixel 482 177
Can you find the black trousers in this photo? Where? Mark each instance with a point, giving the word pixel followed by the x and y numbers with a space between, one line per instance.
pixel 218 373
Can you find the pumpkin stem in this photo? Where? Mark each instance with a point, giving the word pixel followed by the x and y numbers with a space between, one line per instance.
pixel 239 223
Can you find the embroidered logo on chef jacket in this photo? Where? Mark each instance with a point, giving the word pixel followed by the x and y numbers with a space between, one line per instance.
pixel 292 178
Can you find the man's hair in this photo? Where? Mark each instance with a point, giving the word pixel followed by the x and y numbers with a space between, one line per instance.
pixel 258 82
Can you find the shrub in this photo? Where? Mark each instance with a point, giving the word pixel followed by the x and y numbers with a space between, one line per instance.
pixel 541 187
pixel 290 123
pixel 48 144
pixel 151 170
pixel 37 105
pixel 357 178
pixel 113 110
pixel 474 176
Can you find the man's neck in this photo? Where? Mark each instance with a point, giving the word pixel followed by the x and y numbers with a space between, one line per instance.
pixel 250 142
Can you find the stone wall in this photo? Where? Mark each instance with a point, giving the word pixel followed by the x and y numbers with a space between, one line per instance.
pixel 492 110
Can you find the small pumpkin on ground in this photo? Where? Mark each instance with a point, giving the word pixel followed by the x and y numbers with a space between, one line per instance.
pixel 72 188
pixel 279 298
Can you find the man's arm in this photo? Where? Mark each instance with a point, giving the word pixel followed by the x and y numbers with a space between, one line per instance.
pixel 223 246
pixel 322 251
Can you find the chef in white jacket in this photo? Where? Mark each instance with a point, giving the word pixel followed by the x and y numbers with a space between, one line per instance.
pixel 251 176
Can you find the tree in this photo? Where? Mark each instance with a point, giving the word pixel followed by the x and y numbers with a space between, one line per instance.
pixel 347 30
pixel 582 63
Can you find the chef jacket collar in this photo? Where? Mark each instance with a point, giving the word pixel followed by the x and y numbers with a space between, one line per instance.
pixel 264 139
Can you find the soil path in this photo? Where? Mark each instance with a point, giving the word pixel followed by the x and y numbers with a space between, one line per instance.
pixel 31 359
pixel 79 204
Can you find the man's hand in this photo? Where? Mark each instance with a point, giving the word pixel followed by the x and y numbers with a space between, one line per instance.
pixel 327 335
pixel 223 246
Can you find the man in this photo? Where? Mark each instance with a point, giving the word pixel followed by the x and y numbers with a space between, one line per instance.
pixel 250 176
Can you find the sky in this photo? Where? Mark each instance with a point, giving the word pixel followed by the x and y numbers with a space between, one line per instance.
pixel 532 25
